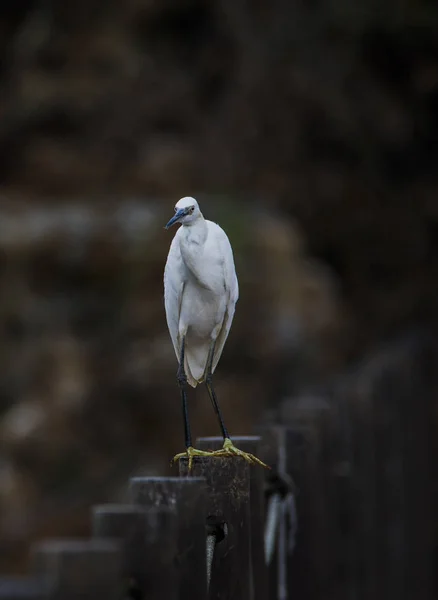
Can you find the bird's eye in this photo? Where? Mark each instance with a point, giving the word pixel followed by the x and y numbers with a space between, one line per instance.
pixel 191 209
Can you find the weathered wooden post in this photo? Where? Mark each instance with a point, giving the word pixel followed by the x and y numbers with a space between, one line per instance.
pixel 148 541
pixel 228 517
pixel 79 569
pixel 311 464
pixel 251 444
pixel 187 498
pixel 284 450
pixel 22 588
pixel 345 492
pixel 390 403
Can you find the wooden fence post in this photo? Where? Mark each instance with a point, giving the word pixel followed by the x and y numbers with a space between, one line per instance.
pixel 187 498
pixel 228 515
pixel 251 444
pixel 318 547
pixel 148 541
pixel 79 569
pixel 22 588
pixel 284 449
pixel 389 399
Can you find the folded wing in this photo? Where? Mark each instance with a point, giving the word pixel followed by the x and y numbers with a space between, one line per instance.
pixel 173 290
pixel 232 290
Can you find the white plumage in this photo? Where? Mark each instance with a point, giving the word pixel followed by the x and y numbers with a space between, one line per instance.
pixel 200 289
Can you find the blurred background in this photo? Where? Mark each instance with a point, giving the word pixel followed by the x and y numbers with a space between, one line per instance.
pixel 308 130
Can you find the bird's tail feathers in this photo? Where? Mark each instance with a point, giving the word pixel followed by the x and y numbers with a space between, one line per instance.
pixel 195 363
pixel 190 379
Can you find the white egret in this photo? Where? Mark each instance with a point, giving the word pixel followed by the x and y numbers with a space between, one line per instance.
pixel 200 295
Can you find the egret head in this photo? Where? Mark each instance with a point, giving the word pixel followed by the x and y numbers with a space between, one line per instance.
pixel 186 212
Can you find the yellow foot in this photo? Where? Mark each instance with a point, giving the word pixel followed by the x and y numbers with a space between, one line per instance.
pixel 229 449
pixel 190 453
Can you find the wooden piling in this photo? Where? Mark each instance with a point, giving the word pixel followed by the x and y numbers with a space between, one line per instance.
pixel 284 449
pixel 251 444
pixel 185 496
pixel 79 569
pixel 148 544
pixel 390 412
pixel 227 504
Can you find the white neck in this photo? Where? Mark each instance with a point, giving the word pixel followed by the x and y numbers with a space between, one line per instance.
pixel 192 243
pixel 196 231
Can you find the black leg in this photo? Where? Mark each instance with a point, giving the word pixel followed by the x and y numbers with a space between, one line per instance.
pixel 212 394
pixel 182 382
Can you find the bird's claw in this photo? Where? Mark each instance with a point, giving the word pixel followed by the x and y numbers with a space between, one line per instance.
pixel 229 449
pixel 190 453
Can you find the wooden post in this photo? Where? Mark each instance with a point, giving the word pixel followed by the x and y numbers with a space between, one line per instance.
pixel 251 444
pixel 149 546
pixel 80 569
pixel 312 416
pixel 284 449
pixel 390 411
pixel 227 505
pixel 187 498
pixel 21 588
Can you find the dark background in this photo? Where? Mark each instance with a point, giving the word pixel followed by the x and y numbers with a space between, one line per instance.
pixel 308 130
